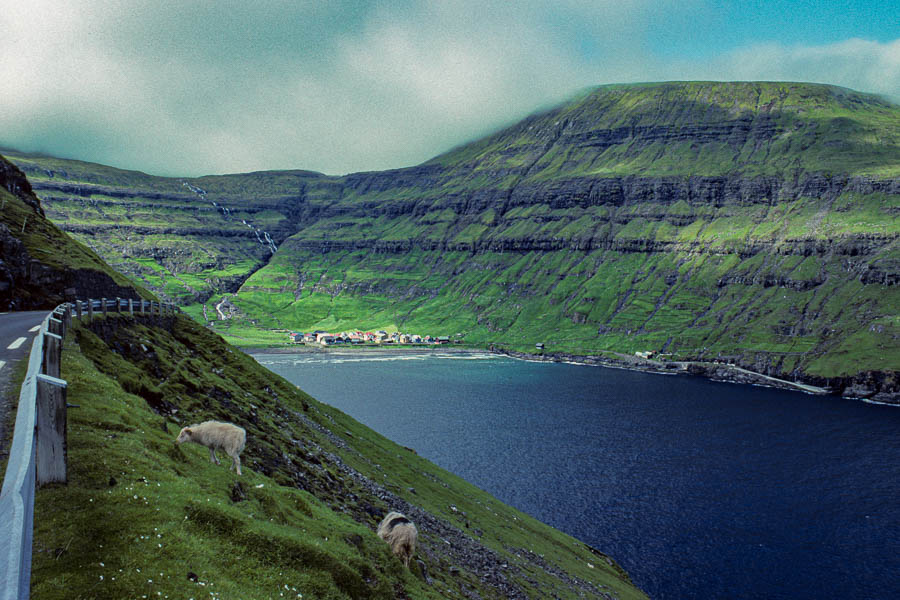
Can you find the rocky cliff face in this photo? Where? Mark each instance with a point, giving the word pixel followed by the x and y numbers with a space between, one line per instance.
pixel 40 267
pixel 15 182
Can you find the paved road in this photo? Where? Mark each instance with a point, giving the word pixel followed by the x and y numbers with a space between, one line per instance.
pixel 17 330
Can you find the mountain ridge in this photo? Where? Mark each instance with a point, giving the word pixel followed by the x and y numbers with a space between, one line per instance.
pixel 635 217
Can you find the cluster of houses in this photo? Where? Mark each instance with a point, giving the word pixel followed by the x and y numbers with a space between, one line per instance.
pixel 325 338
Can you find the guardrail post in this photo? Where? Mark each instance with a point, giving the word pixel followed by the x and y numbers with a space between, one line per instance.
pixel 60 315
pixel 130 306
pixel 103 306
pixel 52 354
pixel 118 304
pixel 67 316
pixel 79 310
pixel 54 325
pixel 90 304
pixel 51 430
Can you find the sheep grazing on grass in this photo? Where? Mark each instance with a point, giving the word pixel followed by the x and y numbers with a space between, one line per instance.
pixel 401 534
pixel 216 435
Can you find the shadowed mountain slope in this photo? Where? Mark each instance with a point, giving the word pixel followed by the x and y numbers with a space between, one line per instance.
pixel 40 266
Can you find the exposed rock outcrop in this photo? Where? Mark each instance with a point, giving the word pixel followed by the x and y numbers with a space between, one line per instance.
pixel 15 182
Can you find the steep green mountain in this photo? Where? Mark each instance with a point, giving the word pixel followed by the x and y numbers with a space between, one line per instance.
pixel 754 223
pixel 40 266
pixel 142 517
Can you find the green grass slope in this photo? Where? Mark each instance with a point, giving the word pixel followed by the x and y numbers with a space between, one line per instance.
pixel 143 517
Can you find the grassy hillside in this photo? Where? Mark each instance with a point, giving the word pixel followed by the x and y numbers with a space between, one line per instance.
pixel 754 222
pixel 185 239
pixel 141 516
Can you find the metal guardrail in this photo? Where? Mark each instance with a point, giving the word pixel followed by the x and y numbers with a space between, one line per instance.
pixel 38 450
pixel 17 497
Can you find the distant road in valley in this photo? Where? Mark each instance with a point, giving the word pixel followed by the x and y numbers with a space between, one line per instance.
pixel 17 330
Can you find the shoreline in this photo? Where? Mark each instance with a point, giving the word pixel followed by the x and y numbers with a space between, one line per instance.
pixel 722 372
pixel 726 373
pixel 301 349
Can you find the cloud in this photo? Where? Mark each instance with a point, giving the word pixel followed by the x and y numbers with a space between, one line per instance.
pixel 859 64
pixel 190 88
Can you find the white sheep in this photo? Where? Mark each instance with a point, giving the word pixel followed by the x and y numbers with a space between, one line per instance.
pixel 401 534
pixel 216 435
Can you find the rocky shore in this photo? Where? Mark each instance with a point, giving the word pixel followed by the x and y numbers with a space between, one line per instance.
pixel 867 387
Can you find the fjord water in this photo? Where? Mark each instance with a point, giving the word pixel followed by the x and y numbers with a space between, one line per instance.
pixel 698 489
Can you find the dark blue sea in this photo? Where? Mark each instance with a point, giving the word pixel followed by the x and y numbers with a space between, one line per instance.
pixel 698 489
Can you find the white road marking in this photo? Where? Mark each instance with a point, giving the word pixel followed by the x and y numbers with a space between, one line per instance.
pixel 33 329
pixel 16 344
pixel 2 362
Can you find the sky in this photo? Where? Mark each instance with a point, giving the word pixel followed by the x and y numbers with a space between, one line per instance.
pixel 186 88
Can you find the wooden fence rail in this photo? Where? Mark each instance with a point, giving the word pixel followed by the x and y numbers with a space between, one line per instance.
pixel 38 451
